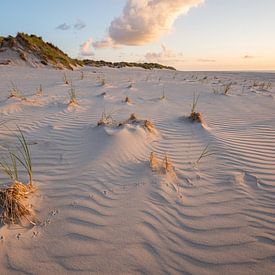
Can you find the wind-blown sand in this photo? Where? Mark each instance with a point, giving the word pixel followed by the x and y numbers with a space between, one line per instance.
pixel 100 208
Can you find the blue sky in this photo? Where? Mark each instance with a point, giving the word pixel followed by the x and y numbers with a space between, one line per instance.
pixel 213 35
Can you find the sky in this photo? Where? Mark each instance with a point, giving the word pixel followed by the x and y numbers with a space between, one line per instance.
pixel 186 34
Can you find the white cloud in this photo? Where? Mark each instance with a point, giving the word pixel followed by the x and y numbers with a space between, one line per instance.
pixel 86 48
pixel 145 21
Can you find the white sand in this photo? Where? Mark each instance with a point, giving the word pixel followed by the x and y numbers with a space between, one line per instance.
pixel 102 210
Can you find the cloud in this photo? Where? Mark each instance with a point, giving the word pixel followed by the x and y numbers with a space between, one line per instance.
pixel 79 25
pixel 145 21
pixel 206 60
pixel 105 43
pixel 248 57
pixel 86 48
pixel 166 56
pixel 63 27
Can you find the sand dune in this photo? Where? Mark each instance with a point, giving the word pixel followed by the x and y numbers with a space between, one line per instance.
pixel 100 208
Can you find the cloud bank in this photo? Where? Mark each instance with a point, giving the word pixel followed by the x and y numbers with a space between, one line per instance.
pixel 145 21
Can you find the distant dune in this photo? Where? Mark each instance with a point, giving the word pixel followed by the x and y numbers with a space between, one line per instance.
pixel 31 50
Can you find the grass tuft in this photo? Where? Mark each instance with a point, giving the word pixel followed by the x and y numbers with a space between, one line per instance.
pixel 195 116
pixel 205 153
pixel 72 95
pixel 12 199
pixel 106 119
pixel 15 92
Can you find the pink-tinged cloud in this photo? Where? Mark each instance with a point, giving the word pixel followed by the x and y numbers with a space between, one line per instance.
pixel 86 48
pixel 165 56
pixel 145 21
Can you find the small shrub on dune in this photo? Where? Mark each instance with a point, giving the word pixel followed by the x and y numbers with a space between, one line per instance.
pixel 13 198
pixel 195 116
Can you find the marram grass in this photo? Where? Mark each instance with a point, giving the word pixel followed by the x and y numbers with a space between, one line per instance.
pixel 13 199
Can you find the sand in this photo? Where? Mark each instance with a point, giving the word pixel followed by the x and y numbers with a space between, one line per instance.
pixel 99 206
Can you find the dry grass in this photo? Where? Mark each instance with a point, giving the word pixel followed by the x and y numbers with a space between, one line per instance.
pixel 204 154
pixel 13 203
pixel 72 95
pixel 39 91
pixel 15 92
pixel 65 80
pixel 154 162
pixel 13 198
pixel 149 126
pixel 163 94
pixel 167 166
pixel 227 87
pixel 106 119
pixel 195 116
pixel 128 100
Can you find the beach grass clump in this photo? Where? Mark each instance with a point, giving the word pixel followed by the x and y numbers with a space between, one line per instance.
pixel 195 116
pixel 130 84
pixel 65 79
pixel 13 198
pixel 13 203
pixel 163 94
pixel 154 162
pixel 101 80
pixel 127 99
pixel 72 95
pixel 226 88
pixel 39 91
pixel 149 125
pixel 106 119
pixel 15 92
pixel 164 167
pixel 167 165
pixel 133 120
